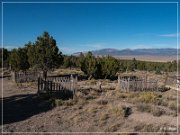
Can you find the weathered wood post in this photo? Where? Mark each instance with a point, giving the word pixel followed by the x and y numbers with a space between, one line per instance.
pixel 118 84
pixel 72 85
pixel 75 85
pixel 145 82
pixel 178 83
pixel 128 85
pixel 13 76
pixel 99 85
pixel 38 85
pixel 10 67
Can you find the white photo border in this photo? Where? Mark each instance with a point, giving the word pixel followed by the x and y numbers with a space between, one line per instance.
pixel 2 45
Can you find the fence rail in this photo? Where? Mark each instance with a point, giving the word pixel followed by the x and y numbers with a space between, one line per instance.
pixel 25 76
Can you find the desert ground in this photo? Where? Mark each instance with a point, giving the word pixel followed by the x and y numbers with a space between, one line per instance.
pixel 92 110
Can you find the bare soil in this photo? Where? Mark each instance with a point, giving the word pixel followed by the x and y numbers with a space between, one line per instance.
pixel 92 110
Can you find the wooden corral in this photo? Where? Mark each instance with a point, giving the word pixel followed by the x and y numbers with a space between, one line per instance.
pixel 133 83
pixel 62 86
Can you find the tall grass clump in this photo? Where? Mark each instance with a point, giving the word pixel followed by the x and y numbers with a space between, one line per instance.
pixel 148 97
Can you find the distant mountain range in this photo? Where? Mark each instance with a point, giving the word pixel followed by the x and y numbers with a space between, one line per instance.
pixel 134 52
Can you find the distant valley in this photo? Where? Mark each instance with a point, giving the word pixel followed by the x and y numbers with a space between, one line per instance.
pixel 159 55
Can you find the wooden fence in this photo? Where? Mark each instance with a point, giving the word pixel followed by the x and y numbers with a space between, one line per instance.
pixel 137 85
pixel 62 86
pixel 62 78
pixel 20 77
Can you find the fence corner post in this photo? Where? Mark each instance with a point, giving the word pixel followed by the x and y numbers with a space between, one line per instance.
pixel 38 84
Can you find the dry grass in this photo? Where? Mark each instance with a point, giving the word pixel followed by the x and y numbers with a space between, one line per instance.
pixel 102 102
pixel 92 110
pixel 173 105
pixel 120 111
pixel 91 82
pixel 94 93
pixel 142 97
pixel 147 97
pixel 60 102
pixel 112 128
pixel 142 127
pixel 131 95
pixel 156 111
pixel 162 102
pixel 143 107
pixel 67 71
pixel 104 116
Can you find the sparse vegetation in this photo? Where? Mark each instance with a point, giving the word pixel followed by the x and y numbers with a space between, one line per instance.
pixel 102 102
pixel 112 128
pixel 99 109
pixel 147 97
pixel 60 102
pixel 139 127
pixel 156 111
pixel 142 127
pixel 142 97
pixel 130 95
pixel 173 105
pixel 104 116
pixel 142 107
pixel 120 111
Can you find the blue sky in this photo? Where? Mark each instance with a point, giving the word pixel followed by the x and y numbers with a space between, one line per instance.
pixel 82 27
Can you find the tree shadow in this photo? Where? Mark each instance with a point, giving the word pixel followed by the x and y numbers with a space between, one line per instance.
pixel 20 107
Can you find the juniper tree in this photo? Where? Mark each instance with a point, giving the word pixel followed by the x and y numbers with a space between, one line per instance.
pixel 19 59
pixel 89 65
pixel 44 53
pixel 109 66
pixel 4 57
